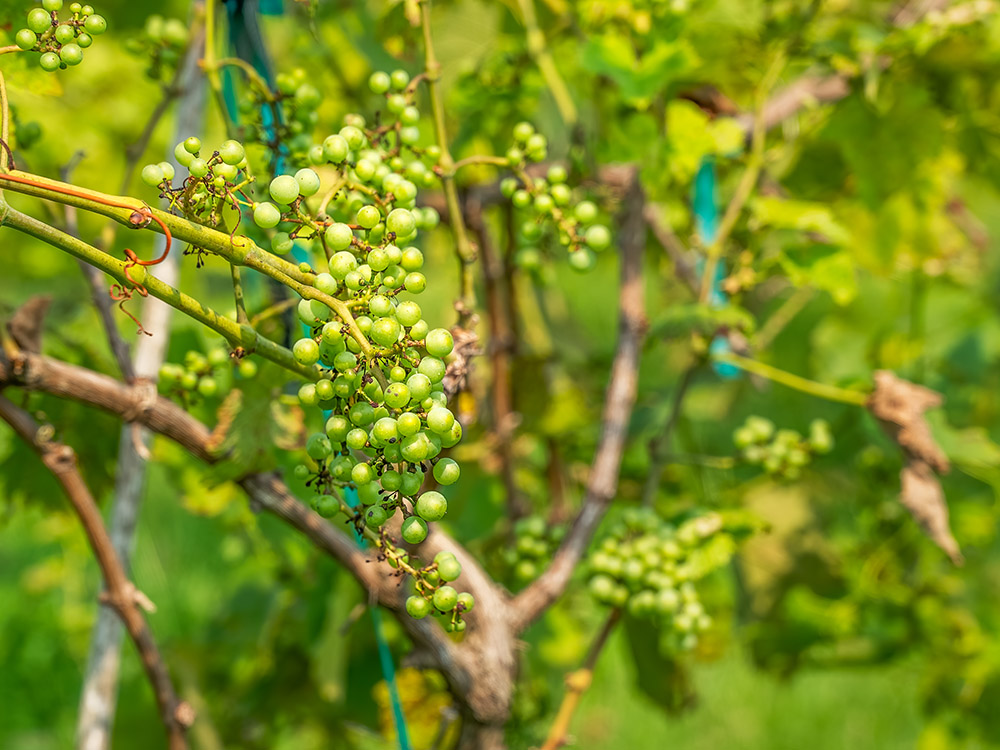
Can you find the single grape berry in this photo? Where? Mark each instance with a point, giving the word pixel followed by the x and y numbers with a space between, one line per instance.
pixel 445 599
pixel 368 216
pixel 152 175
pixel 97 25
pixel 598 237
pixel 417 607
pixel 336 148
pixel 49 61
pixel 71 54
pixel 414 531
pixel 25 39
pixel 232 152
pixel 466 601
pixel 379 82
pixel 198 167
pixel 284 189
pixel 192 145
pixel 446 471
pixel 338 237
pixel 64 33
pixel 39 21
pixel 401 222
pixel 266 215
pixel 308 182
pixel 306 352
pixel 431 506
pixel 439 342
pixel 52 5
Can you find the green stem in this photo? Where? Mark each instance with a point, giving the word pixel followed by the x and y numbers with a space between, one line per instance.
pixel 235 333
pixel 241 308
pixel 238 250
pixel 546 65
pixel 466 253
pixel 820 390
pixel 468 161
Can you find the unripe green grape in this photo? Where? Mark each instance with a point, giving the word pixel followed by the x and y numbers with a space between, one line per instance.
pixel 327 506
pixel 356 439
pixel 410 116
pixel 49 61
pixel 417 607
pixel 306 352
pixel 407 423
pixel 183 156
pixel 362 473
pixel 64 33
pixel 368 217
pixel 440 419
pixel 232 152
pixel 38 20
pixel 521 199
pixel 71 54
pixel 342 264
pixel 415 282
pixel 419 385
pixel 525 570
pixel 466 601
pixel 556 174
pixel 412 260
pixel 401 221
pixel 52 5
pixel 561 195
pixel 336 149
pixel 361 414
pixel 585 212
pixel 449 569
pixel 418 331
pixel 345 361
pixel 415 448
pixel 412 480
pixel 25 39
pixel 445 599
pixel 266 215
pixel 523 131
pixel 395 103
pixel 354 136
pixel 543 203
pixel 247 369
pixel 582 259
pixel 433 368
pixel 432 506
pixel 308 182
pixel 399 79
pixel 198 167
pixel 319 310
pixel 284 189
pixel 397 395
pixel 308 395
pixel 84 40
pixel 316 156
pixel 192 145
pixel 96 24
pixel 379 82
pixel 318 447
pixel 376 515
pixel 377 260
pixel 446 471
pixel 152 175
pixel 439 343
pixel 414 531
pixel 385 331
pixel 453 436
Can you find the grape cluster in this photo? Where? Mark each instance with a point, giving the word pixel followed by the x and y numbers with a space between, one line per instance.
pixel 162 42
pixel 644 565
pixel 204 375
pixel 61 42
pixel 782 453
pixel 548 201
pixel 435 597
pixel 535 541
pixel 212 184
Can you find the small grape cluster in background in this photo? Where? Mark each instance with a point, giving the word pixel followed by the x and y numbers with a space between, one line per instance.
pixel 435 597
pixel 213 182
pixel 549 199
pixel 535 541
pixel 781 453
pixel 61 42
pixel 202 375
pixel 648 567
pixel 162 41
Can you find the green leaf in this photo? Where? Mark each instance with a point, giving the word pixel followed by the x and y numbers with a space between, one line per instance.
pixel 664 679
pixel 805 216
pixel 640 77
pixel 682 320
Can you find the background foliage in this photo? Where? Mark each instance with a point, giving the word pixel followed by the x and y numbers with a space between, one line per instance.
pixel 843 626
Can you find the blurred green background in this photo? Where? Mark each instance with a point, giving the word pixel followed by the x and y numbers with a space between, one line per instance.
pixel 842 627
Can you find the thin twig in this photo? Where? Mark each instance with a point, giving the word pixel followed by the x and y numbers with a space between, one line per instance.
pixel 121 594
pixel 658 445
pixel 782 317
pixel 577 684
pixel 671 243
pixel 618 405
pixel 539 50
pixel 820 390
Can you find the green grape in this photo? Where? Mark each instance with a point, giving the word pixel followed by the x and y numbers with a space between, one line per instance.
pixel 354 136
pixel 417 607
pixel 446 471
pixel 399 79
pixel 192 145
pixel 39 21
pixel 356 439
pixel 247 369
pixel 152 175
pixel 336 149
pixel 449 569
pixel 582 259
pixel 376 515
pixel 415 282
pixel 281 243
pixel 97 25
pixel 395 103
pixel 64 33
pixel 306 352
pixel 84 40
pixel 266 215
pixel 597 237
pixel 440 419
pixel 445 598
pixel 284 189
pixel 466 601
pixel 412 480
pixel 324 389
pixel 198 167
pixel 414 531
pixel 385 331
pixel 368 217
pixel 585 212
pixel 523 131
pixel 308 181
pixel 379 82
pixel 232 152
pixel 327 506
pixel 52 5
pixel 318 447
pixel 71 54
pixel 439 342
pixel 49 61
pixel 25 39
pixel 432 506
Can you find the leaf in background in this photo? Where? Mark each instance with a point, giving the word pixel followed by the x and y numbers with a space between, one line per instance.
pixel 806 216
pixel 832 271
pixel 679 321
pixel 664 679
pixel 639 77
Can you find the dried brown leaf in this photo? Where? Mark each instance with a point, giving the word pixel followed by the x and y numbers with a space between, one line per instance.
pixel 922 496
